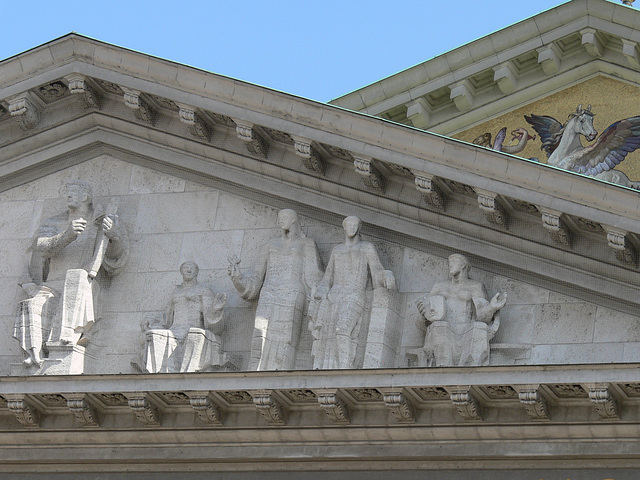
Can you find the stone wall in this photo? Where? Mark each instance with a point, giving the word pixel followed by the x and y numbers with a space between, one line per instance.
pixel 171 220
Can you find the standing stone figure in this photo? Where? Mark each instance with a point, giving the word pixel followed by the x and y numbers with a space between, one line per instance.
pixel 187 337
pixel 343 298
pixel 71 253
pixel 460 320
pixel 286 271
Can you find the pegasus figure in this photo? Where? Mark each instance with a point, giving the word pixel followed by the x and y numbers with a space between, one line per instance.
pixel 564 148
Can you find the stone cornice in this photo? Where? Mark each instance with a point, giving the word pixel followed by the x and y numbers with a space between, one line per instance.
pixel 566 41
pixel 465 175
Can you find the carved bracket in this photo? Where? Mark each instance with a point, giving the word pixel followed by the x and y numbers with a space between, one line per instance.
pixel 431 193
pixel 604 402
pixel 466 404
pixel 418 113
pixel 371 176
pixel 505 76
pixel 591 42
pixel 549 59
pixel 206 409
pixel 558 230
pixel 141 108
pixel 254 142
pixel 624 250
pixel 24 111
pixel 462 96
pixel 82 408
pixel 311 158
pixel 490 206
pixel 401 407
pixel 144 409
pixel 272 411
pixel 534 402
pixel 336 409
pixel 197 125
pixel 83 91
pixel 630 50
pixel 25 413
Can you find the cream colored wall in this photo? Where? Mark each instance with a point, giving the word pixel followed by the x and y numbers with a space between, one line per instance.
pixel 611 100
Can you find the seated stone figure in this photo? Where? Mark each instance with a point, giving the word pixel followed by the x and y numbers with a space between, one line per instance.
pixel 187 337
pixel 460 320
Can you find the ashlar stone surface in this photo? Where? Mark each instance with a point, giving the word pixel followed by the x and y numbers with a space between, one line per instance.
pixel 170 220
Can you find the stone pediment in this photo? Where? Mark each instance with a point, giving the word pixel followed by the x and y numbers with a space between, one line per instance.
pixel 202 167
pixel 75 98
pixel 507 69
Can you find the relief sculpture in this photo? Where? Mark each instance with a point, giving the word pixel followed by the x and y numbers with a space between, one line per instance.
pixel 460 320
pixel 71 254
pixel 282 279
pixel 186 338
pixel 343 299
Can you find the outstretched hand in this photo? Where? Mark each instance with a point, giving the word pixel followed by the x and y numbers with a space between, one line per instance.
pixel 498 301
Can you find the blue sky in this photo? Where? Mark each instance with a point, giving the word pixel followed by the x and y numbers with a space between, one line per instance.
pixel 316 49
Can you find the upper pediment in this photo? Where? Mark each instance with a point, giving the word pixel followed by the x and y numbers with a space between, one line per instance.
pixel 507 69
pixel 69 100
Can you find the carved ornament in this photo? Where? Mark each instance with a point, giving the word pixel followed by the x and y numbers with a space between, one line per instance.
pixel 400 406
pixel 83 91
pixel 146 411
pixel 465 403
pixel 254 142
pixel 431 193
pixel 490 206
pixel 270 409
pixel 141 108
pixel 558 230
pixel 604 402
pixel 371 176
pixel 335 408
pixel 534 402
pixel 618 240
pixel 197 124
pixel 205 407
pixel 24 412
pixel 24 111
pixel 311 157
pixel 83 410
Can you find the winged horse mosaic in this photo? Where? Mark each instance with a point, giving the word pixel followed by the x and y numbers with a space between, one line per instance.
pixel 564 148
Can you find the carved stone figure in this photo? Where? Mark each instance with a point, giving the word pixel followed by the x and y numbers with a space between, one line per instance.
pixel 342 294
pixel 286 271
pixel 460 320
pixel 71 253
pixel 564 148
pixel 186 338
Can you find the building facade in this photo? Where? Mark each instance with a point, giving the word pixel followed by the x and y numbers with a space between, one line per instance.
pixel 186 290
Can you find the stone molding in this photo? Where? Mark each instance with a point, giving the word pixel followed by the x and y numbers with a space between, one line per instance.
pixel 534 402
pixel 465 403
pixel 311 157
